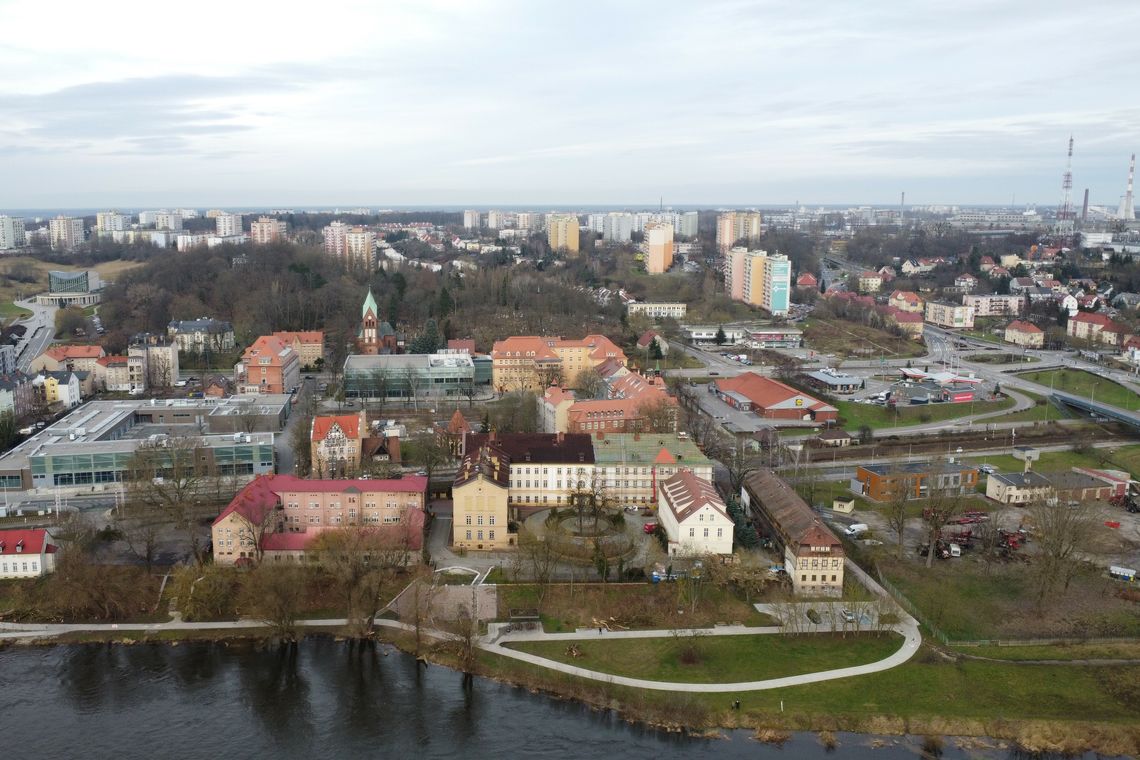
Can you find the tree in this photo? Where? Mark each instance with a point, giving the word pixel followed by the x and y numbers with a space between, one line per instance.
pixel 165 478
pixel 140 529
pixel 658 416
pixel 364 562
pixel 721 338
pixel 68 320
pixel 655 350
pixel 539 557
pixel 1063 534
pixel 427 451
pixel 896 514
pixel 938 511
pixel 588 383
pixel 737 459
pixel 274 594
pixel 301 441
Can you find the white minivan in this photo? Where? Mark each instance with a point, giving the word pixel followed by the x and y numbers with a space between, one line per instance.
pixel 856 529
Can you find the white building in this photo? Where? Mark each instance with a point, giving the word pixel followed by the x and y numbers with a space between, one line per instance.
pixel 694 516
pixel 12 233
pixel 596 223
pixel 26 553
pixel 659 309
pixel 66 232
pixel 213 241
pixel 496 220
pixel 472 220
pixel 685 224
pixel 528 220
pixel 618 227
pixel 168 220
pixel 188 240
pixel 112 221
pixel 228 225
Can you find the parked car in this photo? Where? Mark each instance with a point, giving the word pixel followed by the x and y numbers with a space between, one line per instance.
pixel 847 615
pixel 813 616
pixel 650 527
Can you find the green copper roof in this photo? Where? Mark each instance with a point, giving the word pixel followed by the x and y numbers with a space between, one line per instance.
pixel 370 303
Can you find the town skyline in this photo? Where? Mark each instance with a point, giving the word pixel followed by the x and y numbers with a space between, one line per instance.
pixel 508 105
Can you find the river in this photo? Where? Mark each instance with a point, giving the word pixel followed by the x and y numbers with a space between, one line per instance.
pixel 325 698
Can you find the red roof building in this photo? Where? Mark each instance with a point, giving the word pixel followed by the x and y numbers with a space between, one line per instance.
pixel 1097 328
pixel 271 505
pixel 771 399
pixel 26 553
pixel 807 280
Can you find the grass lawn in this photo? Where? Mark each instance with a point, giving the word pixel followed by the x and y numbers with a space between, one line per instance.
pixel 844 339
pixel 721 659
pixel 1001 358
pixel 1042 410
pixel 855 416
pixel 1125 457
pixel 1086 384
pixel 1123 651
pixel 928 694
pixel 11 289
pixel 565 608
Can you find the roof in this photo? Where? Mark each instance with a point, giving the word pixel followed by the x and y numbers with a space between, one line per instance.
pixel 900 468
pixel 646 448
pixel 369 305
pixel 906 295
pixel 270 346
pixel 553 448
pixel 113 361
pixel 260 495
pixel 555 395
pixel 490 461
pixel 1025 327
pixel 349 424
pixel 837 434
pixel 806 279
pixel 305 336
pixel 458 424
pixel 200 325
pixel 767 393
pixel 29 541
pixel 789 513
pixel 462 344
pixel 1021 480
pixel 60 353
pixel 646 338
pixel 686 494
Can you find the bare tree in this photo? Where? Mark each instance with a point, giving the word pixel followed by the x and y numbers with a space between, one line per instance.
pixel 737 459
pixel 938 511
pixel 658 416
pixel 1063 534
pixel 165 478
pixel 414 379
pixel 539 557
pixel 140 529
pixel 364 561
pixel 274 594
pixel 896 513
pixel 588 383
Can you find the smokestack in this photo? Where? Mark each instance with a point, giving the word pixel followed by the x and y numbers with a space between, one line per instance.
pixel 1085 207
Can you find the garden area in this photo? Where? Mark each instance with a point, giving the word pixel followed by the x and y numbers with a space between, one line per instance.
pixel 853 415
pixel 718 659
pixel 845 339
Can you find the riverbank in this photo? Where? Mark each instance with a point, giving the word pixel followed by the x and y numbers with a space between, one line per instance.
pixel 1030 706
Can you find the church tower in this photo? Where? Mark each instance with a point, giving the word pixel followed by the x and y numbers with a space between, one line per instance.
pixel 368 339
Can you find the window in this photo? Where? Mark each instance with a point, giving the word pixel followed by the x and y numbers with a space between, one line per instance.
pixel 720 532
pixel 491 520
pixel 468 520
pixel 706 532
pixel 468 535
pixel 491 535
pixel 480 535
pixel 479 520
pixel 692 532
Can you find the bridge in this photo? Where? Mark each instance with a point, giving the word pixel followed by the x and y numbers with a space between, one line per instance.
pixel 1107 411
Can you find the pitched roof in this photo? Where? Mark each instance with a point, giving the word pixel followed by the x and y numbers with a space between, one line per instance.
pixel 686 494
pixel 791 514
pixel 806 280
pixel 27 540
pixel 552 448
pixel 766 392
pixel 490 461
pixel 1025 327
pixel 646 338
pixel 369 304
pixel 458 424
pixel 60 353
pixel 462 344
pixel 267 346
pixel 309 336
pixel 349 424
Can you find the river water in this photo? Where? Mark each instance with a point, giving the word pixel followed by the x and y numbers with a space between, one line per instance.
pixel 324 698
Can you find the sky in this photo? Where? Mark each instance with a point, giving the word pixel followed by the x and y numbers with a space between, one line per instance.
pixel 532 103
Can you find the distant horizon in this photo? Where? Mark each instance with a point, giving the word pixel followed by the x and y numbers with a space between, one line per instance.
pixel 507 208
pixel 432 102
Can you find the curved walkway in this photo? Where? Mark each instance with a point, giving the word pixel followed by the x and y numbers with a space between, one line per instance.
pixel 908 630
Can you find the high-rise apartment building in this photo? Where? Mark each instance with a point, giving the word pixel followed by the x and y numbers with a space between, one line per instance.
pixel 228 225
pixel 562 232
pixel 618 227
pixel 686 224
pixel 658 247
pixel 596 223
pixel 764 280
pixel 66 232
pixel 333 236
pixel 112 221
pixel 12 233
pixel 528 220
pixel 168 220
pixel 496 220
pixel 266 230
pixel 737 225
pixel 360 247
pixel 472 220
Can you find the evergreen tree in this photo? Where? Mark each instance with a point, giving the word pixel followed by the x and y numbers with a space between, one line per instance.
pixel 720 336
pixel 446 305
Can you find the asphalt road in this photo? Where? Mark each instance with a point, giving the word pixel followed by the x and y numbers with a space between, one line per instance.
pixel 40 332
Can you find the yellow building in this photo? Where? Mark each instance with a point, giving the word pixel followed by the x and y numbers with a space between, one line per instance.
pixel 479 494
pixel 530 362
pixel 562 233
pixel 658 247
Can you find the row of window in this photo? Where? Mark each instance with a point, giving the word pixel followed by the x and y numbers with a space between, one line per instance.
pixel 479 520
pixel 719 532
pixel 351 519
pixel 352 510
pixel 822 578
pixel 490 536
pixel 818 563
pixel 16 567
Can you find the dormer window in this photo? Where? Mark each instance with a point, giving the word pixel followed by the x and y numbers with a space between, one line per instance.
pixel 20 546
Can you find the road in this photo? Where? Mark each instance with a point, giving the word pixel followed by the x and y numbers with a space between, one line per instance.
pixel 40 332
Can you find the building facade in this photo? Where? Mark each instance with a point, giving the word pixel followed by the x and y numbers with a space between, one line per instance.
pixel 12 233
pixel 914 480
pixel 480 500
pixel 562 232
pixel 1024 334
pixel 658 309
pixel 266 230
pixel 545 469
pixel 532 363
pixel 658 247
pixel 694 516
pixel 629 467
pixel 66 232
pixel 228 225
pixel 995 305
pixel 196 336
pixel 26 553
pixel 309 345
pixel 335 442
pixel 955 316
pixel 267 366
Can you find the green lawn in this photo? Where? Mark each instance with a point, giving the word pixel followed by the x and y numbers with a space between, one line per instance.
pixel 1086 384
pixel 13 311
pixel 1067 652
pixel 855 416
pixel 1041 411
pixel 1125 457
pixel 723 659
pixel 1001 358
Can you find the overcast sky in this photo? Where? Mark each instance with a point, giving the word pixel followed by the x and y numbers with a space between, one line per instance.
pixel 426 102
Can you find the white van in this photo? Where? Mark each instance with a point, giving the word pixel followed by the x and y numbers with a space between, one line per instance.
pixel 856 529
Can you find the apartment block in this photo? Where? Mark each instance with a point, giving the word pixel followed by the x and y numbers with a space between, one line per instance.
pixel 737 225
pixel 228 225
pixel 12 233
pixel 66 232
pixel 950 315
pixel 266 230
pixel 562 232
pixel 268 366
pixel 995 305
pixel 530 362
pixel 759 279
pixel 658 247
